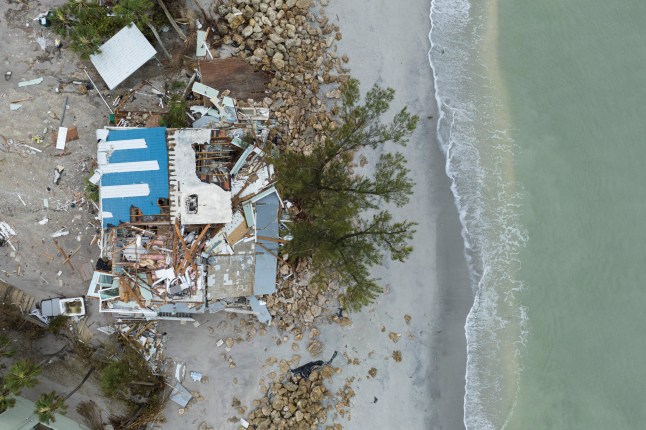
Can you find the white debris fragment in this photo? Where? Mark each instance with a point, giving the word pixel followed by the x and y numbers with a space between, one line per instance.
pixel 59 233
pixel 6 233
pixel 32 82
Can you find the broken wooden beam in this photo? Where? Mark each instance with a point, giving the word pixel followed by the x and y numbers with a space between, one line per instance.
pixel 271 239
pixel 199 238
pixel 64 254
pixel 171 20
pixel 188 258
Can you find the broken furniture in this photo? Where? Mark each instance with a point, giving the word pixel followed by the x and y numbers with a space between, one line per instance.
pixel 69 307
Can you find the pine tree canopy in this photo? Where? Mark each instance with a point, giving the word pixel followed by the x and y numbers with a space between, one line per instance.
pixel 89 24
pixel 344 226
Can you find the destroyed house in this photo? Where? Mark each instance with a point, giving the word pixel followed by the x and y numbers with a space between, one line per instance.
pixel 190 223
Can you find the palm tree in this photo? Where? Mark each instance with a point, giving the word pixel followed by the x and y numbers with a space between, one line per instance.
pixel 86 40
pixel 79 6
pixel 87 375
pixel 48 405
pixel 7 399
pixel 22 374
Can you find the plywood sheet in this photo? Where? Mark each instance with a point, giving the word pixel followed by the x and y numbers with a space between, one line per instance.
pixel 242 79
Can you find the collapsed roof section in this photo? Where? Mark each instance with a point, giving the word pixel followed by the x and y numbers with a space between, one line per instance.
pixel 234 74
pixel 122 55
pixel 193 200
pixel 267 212
pixel 132 174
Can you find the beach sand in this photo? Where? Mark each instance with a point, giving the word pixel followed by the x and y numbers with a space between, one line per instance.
pixel 387 43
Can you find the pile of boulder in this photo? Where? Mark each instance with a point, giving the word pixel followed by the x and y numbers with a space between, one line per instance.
pixel 297 306
pixel 295 43
pixel 297 403
pixel 300 303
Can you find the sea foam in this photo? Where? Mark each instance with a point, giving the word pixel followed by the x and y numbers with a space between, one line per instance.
pixel 473 134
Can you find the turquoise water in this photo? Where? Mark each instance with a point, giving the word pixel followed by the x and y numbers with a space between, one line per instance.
pixel 575 77
pixel 545 139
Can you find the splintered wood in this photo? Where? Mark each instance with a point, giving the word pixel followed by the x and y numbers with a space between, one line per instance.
pixel 155 264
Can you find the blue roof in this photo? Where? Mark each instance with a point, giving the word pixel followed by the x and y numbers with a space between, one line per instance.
pixel 157 180
pixel 267 226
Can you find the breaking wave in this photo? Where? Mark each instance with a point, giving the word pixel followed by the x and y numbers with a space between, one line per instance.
pixel 473 132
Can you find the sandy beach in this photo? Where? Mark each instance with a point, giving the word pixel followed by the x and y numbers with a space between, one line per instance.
pixel 388 44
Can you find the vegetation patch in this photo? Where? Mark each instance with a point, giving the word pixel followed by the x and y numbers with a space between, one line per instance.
pixel 89 23
pixel 176 116
pixel 91 191
pixel 343 226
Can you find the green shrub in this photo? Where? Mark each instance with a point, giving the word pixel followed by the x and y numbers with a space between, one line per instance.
pixel 57 323
pixel 91 191
pixel 114 377
pixel 176 116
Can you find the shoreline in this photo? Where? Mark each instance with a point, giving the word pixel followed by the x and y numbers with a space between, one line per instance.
pixel 475 133
pixel 433 285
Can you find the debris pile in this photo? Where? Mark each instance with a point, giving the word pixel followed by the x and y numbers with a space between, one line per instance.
pixel 297 304
pixel 284 37
pixel 145 338
pixel 300 401
pixel 296 403
pixel 344 397
pixel 6 233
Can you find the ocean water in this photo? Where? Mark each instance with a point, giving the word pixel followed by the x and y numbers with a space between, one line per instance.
pixel 541 120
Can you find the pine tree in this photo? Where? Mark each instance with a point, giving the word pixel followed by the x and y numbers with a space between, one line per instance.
pixel 135 11
pixel 344 227
pixel 89 24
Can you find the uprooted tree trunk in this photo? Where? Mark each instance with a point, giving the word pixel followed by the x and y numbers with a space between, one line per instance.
pixel 49 357
pixel 87 376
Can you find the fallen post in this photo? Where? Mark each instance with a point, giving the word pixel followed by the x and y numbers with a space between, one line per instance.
pixel 97 90
pixel 171 20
